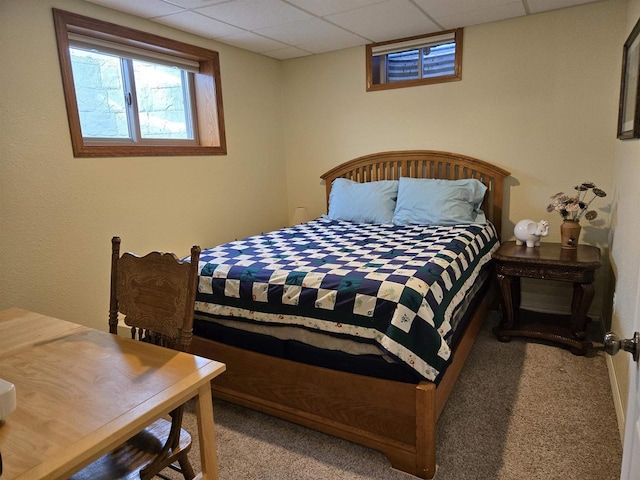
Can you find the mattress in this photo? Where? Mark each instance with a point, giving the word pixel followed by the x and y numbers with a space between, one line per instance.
pixel 398 293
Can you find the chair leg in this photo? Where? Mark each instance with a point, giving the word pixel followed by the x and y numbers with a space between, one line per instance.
pixel 155 469
pixel 185 466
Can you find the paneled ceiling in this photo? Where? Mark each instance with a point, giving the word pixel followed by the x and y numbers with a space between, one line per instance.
pixel 285 29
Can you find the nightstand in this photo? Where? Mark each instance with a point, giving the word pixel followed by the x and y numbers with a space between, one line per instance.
pixel 547 262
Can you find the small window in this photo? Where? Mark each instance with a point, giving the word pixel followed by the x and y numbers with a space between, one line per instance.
pixel 414 61
pixel 133 93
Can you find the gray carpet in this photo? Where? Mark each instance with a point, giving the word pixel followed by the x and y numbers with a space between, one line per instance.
pixel 519 410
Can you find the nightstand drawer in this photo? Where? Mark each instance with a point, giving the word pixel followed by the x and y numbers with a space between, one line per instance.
pixel 563 274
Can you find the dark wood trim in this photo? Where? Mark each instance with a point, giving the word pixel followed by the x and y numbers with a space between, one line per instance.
pixel 634 131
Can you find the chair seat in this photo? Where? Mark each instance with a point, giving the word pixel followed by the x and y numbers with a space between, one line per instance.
pixel 126 462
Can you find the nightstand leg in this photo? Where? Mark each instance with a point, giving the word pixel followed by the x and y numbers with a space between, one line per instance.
pixel 516 294
pixel 510 296
pixel 582 296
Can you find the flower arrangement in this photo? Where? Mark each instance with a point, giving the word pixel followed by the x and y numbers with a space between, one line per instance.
pixel 573 208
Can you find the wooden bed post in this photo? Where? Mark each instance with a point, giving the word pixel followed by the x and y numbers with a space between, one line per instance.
pixel 425 430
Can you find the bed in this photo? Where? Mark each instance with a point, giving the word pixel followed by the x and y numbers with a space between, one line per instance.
pixel 395 409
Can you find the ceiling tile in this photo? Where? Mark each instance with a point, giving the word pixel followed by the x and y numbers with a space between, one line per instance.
pixel 141 8
pixel 396 32
pixel 286 53
pixel 252 42
pixel 445 8
pixel 327 7
pixel 385 21
pixel 194 3
pixel 306 31
pixel 537 6
pixel 475 17
pixel 335 43
pixel 199 24
pixel 254 14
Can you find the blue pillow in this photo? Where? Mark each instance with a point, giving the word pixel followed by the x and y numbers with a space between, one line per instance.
pixel 427 201
pixel 371 202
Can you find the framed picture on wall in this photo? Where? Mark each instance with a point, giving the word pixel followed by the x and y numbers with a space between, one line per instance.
pixel 629 112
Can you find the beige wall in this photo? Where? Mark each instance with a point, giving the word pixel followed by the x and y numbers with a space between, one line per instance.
pixel 538 97
pixel 58 213
pixel 625 249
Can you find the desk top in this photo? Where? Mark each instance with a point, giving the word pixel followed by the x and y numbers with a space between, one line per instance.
pixel 82 392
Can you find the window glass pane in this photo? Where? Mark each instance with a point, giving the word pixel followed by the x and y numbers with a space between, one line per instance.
pixel 403 66
pixel 163 101
pixel 439 60
pixel 100 95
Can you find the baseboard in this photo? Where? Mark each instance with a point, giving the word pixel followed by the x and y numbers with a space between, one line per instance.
pixel 617 399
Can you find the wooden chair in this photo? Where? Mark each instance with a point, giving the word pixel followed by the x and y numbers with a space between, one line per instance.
pixel 156 294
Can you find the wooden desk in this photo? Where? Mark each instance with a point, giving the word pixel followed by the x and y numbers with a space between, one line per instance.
pixel 550 262
pixel 82 392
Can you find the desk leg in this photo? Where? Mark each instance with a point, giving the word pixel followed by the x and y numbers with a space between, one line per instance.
pixel 207 433
pixel 582 297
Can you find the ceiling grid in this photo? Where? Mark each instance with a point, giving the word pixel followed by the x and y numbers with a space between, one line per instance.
pixel 284 29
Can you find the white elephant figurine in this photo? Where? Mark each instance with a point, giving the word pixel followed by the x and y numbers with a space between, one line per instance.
pixel 529 232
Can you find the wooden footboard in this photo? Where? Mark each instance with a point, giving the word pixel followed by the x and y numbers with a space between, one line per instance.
pixel 398 419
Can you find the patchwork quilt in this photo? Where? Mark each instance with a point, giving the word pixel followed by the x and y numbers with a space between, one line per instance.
pixel 394 286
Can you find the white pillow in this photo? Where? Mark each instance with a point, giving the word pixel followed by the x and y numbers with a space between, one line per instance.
pixel 428 201
pixel 371 202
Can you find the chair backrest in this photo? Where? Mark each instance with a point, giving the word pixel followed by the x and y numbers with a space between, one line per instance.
pixel 156 294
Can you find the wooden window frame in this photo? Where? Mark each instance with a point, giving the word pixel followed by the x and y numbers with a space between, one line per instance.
pixel 208 94
pixel 457 75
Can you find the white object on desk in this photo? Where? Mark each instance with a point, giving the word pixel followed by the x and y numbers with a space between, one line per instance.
pixel 7 399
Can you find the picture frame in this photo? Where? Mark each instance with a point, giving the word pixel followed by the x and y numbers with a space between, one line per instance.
pixel 629 109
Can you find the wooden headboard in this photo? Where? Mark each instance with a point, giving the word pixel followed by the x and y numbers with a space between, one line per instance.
pixel 426 164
